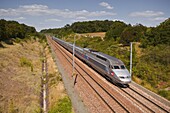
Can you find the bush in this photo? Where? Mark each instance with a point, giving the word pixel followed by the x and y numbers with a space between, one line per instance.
pixel 164 93
pixel 18 40
pixel 26 62
pixel 1 45
pixel 62 106
pixel 54 79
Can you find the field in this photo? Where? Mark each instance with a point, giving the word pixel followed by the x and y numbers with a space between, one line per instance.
pixel 97 34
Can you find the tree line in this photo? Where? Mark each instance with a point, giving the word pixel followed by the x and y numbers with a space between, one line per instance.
pixel 151 66
pixel 12 30
pixel 119 31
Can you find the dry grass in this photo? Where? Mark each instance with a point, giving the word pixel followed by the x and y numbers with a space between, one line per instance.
pixel 56 86
pixel 138 49
pixel 20 85
pixel 20 78
pixel 97 34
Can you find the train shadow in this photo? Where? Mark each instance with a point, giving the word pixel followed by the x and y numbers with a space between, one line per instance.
pixel 122 85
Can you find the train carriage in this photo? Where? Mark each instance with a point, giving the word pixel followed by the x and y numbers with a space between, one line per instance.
pixel 109 66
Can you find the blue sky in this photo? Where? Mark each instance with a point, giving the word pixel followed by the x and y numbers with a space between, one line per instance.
pixel 44 14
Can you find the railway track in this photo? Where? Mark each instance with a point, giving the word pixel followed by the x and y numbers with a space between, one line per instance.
pixel 79 72
pixel 115 99
pixel 155 105
pixel 111 102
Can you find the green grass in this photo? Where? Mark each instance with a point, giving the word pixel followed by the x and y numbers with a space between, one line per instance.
pixel 164 93
pixel 54 79
pixel 62 106
pixel 26 62
pixel 12 107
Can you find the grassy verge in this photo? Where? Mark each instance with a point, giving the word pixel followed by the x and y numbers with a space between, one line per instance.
pixel 62 106
pixel 20 70
pixel 59 101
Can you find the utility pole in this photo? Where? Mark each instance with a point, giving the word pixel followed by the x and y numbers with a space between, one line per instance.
pixel 74 55
pixel 131 44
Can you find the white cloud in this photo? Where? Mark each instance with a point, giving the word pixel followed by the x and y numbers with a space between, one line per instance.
pixel 106 5
pixel 146 14
pixel 52 20
pixel 34 6
pixel 81 18
pixel 42 10
pixel 118 20
pixel 36 14
pixel 16 18
pixel 20 18
pixel 158 19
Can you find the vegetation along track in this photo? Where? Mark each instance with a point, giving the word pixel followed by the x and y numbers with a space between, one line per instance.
pixel 44 83
pixel 115 98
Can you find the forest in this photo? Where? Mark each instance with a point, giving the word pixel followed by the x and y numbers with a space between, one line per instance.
pixel 151 55
pixel 11 31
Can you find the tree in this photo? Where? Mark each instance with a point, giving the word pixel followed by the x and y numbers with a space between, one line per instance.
pixel 158 35
pixel 91 26
pixel 12 29
pixel 133 34
pixel 115 30
pixel 2 30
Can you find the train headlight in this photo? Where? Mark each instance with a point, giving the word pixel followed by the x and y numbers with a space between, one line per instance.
pixel 112 73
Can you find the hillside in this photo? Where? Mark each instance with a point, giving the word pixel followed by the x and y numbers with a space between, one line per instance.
pixel 21 59
pixel 20 69
pixel 151 55
pixel 13 30
pixel 20 78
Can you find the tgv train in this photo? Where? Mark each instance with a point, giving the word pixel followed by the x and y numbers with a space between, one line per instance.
pixel 110 67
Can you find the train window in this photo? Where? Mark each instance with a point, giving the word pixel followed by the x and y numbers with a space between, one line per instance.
pixel 98 64
pixel 116 67
pixel 122 67
pixel 110 66
pixel 101 58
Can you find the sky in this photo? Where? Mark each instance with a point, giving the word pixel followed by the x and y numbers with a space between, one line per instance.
pixel 45 14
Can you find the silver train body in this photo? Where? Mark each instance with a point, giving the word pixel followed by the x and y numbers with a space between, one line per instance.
pixel 110 67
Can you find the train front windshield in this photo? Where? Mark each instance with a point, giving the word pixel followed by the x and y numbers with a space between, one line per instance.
pixel 118 67
pixel 121 72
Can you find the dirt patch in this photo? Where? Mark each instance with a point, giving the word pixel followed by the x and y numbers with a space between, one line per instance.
pixel 138 49
pixel 97 34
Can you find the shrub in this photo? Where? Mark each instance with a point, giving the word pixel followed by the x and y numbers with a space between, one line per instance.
pixel 18 40
pixel 26 62
pixel 12 107
pixel 62 106
pixel 164 93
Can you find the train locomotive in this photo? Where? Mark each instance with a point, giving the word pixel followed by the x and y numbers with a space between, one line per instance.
pixel 110 67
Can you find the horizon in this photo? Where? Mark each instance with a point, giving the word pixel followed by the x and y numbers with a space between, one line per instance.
pixel 56 14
